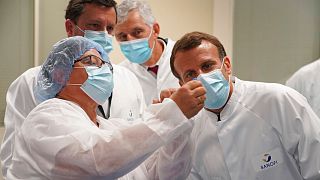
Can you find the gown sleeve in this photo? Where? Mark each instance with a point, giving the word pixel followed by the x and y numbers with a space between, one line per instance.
pixel 65 144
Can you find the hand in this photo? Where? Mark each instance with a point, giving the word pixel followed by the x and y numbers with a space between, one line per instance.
pixel 190 98
pixel 166 93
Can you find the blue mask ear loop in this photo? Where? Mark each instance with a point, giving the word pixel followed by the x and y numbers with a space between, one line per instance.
pixel 154 42
pixel 80 28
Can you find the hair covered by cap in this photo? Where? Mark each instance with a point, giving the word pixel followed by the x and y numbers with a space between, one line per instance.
pixel 56 70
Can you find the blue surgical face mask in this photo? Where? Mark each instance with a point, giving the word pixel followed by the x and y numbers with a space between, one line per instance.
pixel 217 88
pixel 100 37
pixel 99 84
pixel 138 50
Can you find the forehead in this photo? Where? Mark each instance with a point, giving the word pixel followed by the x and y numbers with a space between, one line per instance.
pixel 133 20
pixel 204 52
pixel 99 13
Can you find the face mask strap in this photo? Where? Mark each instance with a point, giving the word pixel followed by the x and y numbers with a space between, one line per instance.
pixel 78 27
pixel 154 42
pixel 78 67
pixel 84 31
pixel 222 62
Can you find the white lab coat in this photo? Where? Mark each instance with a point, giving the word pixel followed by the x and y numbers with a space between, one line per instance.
pixel 261 121
pixel 306 81
pixel 127 103
pixel 165 79
pixel 59 141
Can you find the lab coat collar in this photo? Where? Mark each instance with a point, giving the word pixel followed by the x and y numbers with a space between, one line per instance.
pixel 229 108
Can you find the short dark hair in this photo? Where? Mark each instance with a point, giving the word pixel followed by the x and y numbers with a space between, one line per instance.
pixel 75 7
pixel 193 40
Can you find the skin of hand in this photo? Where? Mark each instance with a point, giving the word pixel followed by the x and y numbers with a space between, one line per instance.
pixel 190 97
pixel 166 93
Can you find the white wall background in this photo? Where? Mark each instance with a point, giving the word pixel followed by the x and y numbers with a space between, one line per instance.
pixel 175 18
pixel 16 43
pixel 273 38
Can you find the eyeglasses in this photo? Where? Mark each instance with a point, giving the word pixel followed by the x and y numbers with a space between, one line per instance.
pixel 93 60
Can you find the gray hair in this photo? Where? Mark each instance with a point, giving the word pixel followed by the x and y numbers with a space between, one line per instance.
pixel 141 6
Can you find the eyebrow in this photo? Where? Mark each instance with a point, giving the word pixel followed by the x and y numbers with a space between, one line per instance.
pixel 94 21
pixel 99 21
pixel 138 28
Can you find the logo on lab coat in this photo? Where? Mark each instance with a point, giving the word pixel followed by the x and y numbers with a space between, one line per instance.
pixel 267 160
pixel 130 118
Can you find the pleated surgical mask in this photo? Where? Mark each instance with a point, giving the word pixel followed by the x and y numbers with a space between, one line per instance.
pixel 138 50
pixel 217 88
pixel 99 84
pixel 100 37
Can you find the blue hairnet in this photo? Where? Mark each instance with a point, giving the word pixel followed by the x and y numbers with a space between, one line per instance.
pixel 56 70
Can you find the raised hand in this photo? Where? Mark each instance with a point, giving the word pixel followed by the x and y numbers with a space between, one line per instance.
pixel 190 98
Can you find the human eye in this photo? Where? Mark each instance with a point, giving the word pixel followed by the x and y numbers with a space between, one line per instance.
pixel 207 67
pixel 94 26
pixel 137 33
pixel 188 76
pixel 121 37
pixel 110 29
pixel 87 61
pixel 96 61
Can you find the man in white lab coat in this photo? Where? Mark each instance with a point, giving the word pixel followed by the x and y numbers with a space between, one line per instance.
pixel 95 20
pixel 247 130
pixel 64 138
pixel 306 81
pixel 148 55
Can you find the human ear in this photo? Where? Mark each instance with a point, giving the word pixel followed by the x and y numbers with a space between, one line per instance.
pixel 227 65
pixel 69 25
pixel 156 29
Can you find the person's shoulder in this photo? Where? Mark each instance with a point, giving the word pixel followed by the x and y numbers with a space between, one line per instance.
pixel 267 90
pixel 31 72
pixel 269 94
pixel 26 77
pixel 54 106
pixel 170 41
pixel 307 70
pixel 126 63
pixel 170 44
pixel 122 70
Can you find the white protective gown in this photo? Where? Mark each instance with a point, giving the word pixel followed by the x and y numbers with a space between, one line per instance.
pixel 127 103
pixel 151 85
pixel 267 131
pixel 306 81
pixel 59 141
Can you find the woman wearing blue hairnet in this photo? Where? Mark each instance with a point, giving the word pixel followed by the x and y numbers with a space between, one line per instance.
pixel 63 138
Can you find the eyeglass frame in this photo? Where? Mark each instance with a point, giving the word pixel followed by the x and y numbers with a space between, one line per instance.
pixel 99 66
